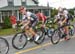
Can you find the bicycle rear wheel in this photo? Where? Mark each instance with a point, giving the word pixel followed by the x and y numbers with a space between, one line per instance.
pixel 4 46
pixel 41 39
pixel 71 30
pixel 19 41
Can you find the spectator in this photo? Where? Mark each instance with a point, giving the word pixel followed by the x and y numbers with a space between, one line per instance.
pixel 13 21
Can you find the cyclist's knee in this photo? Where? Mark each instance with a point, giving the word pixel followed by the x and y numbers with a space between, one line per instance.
pixel 27 27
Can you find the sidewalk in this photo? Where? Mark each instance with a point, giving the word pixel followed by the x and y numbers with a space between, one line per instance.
pixel 6 36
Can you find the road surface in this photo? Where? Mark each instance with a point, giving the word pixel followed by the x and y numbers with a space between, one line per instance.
pixel 64 47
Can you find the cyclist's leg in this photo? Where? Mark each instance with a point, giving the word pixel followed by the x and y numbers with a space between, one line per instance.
pixel 67 32
pixel 43 24
pixel 27 31
pixel 31 26
pixel 33 32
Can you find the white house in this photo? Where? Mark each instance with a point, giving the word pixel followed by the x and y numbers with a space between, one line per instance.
pixel 7 7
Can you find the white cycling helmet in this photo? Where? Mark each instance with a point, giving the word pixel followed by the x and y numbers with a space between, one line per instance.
pixel 60 9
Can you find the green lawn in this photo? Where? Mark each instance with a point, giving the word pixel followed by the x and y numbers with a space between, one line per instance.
pixel 5 32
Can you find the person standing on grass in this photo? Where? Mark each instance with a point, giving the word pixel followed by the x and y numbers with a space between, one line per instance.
pixel 13 21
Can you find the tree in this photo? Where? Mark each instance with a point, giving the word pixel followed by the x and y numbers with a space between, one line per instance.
pixel 71 11
pixel 7 22
pixel 53 12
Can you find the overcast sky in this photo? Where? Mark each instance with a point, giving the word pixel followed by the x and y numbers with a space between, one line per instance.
pixel 52 3
pixel 57 3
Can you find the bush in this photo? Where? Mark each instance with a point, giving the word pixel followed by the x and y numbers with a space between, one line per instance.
pixel 7 22
pixel 54 12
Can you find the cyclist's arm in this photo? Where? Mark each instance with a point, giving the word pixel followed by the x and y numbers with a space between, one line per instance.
pixel 27 22
pixel 23 20
pixel 66 17
pixel 21 23
pixel 55 20
pixel 64 20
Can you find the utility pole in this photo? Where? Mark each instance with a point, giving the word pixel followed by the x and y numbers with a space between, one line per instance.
pixel 49 11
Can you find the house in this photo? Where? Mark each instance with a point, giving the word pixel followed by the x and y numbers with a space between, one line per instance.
pixel 13 7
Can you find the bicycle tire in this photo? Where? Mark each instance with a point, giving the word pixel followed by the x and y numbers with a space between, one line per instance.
pixel 52 40
pixel 41 39
pixel 7 44
pixel 15 46
pixel 71 30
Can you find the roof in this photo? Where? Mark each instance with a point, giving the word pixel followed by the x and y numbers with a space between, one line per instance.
pixel 28 7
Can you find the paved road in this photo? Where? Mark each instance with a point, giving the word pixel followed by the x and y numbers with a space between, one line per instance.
pixel 64 47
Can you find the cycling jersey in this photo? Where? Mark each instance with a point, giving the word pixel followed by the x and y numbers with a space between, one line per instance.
pixel 33 18
pixel 62 16
pixel 29 14
pixel 41 16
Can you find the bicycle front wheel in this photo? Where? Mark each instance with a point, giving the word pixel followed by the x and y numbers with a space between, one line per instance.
pixel 4 46
pixel 55 38
pixel 19 41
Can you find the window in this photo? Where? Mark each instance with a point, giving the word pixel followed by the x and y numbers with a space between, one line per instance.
pixel 17 2
pixel 23 0
pixel 10 0
pixel 6 14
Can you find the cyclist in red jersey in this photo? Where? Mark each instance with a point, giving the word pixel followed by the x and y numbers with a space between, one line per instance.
pixel 41 17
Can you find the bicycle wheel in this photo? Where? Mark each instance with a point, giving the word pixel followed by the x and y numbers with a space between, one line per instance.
pixel 50 31
pixel 4 46
pixel 55 38
pixel 41 39
pixel 19 41
pixel 71 30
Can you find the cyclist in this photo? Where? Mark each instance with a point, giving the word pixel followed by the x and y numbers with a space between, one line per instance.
pixel 41 17
pixel 29 21
pixel 62 17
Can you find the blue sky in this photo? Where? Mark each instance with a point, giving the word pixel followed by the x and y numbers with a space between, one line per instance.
pixel 57 3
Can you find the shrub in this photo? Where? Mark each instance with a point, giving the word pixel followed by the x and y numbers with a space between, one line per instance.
pixel 7 22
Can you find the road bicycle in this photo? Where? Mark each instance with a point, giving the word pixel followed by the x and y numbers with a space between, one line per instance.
pixel 19 40
pixel 59 32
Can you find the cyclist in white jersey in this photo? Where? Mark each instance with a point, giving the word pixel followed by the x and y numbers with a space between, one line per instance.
pixel 29 21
